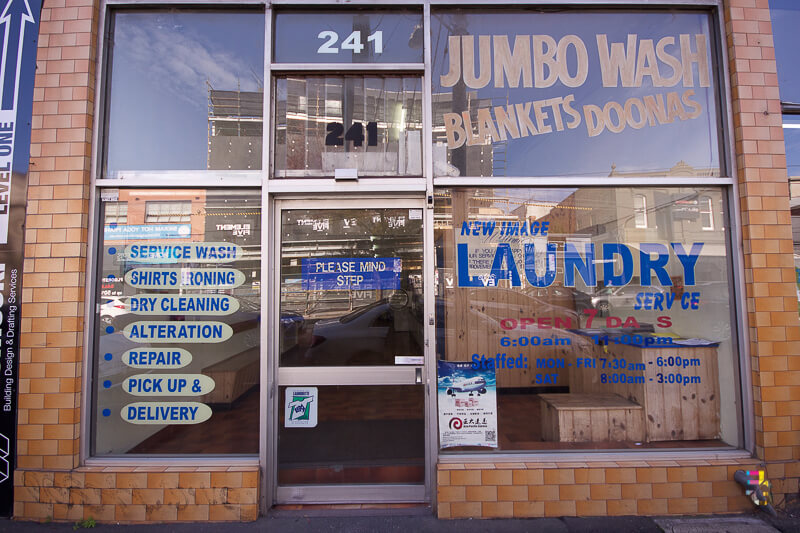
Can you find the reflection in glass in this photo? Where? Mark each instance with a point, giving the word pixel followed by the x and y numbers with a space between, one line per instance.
pixel 373 124
pixel 539 99
pixel 164 212
pixel 358 36
pixel 186 91
pixel 791 137
pixel 116 213
pixel 364 434
pixel 226 225
pixel 785 15
pixel 625 326
pixel 351 287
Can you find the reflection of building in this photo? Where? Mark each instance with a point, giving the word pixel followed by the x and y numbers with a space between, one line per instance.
pixel 646 215
pixel 347 234
pixel 596 215
pixel 169 208
pixel 483 159
pixel 680 169
pixel 235 129
pixel 370 124
pixel 144 215
pixel 181 215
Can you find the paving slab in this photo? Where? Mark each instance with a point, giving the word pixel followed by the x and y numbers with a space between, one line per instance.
pixel 300 522
pixel 711 524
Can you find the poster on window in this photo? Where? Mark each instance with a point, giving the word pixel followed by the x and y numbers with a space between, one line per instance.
pixel 467 405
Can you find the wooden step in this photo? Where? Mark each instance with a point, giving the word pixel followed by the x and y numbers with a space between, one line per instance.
pixel 591 418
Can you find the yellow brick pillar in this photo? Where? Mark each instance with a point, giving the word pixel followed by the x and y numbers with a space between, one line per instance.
pixel 763 186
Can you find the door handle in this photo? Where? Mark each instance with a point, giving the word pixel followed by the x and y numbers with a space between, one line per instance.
pixel 418 375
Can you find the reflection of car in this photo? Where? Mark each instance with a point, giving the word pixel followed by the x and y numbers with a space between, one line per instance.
pixel 373 334
pixel 470 385
pixel 616 297
pixel 291 321
pixel 291 327
pixel 114 311
pixel 111 308
pixel 568 297
pixel 496 301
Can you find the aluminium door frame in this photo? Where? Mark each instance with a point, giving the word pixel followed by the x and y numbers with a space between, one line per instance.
pixel 344 493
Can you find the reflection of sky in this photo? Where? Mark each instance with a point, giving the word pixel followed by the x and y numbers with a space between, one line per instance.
pixel 510 199
pixel 791 135
pixel 297 41
pixel 159 99
pixel 572 152
pixel 785 21
pixel 555 196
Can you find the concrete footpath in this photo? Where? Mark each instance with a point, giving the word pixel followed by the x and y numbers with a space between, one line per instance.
pixel 298 522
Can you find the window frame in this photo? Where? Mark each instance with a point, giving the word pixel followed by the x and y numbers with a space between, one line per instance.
pixel 116 458
pixel 189 179
pixel 710 212
pixel 640 213
pixel 163 203
pixel 726 181
pixel 118 215
pixel 365 72
pixel 726 358
pixel 160 178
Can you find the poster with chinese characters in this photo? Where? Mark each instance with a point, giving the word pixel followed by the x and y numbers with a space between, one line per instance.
pixel 467 405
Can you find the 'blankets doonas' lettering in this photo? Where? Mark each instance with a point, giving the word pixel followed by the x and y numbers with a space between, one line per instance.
pixel 541 61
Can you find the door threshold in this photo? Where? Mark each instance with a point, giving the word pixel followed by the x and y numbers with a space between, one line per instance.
pixel 348 509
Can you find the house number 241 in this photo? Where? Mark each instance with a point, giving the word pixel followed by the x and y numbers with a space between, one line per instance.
pixel 352 42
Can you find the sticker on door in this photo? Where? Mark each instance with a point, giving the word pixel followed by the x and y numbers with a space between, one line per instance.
pixel 301 407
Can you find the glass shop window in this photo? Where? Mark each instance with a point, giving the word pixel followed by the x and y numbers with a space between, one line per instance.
pixel 185 91
pixel 362 36
pixel 369 123
pixel 563 323
pixel 785 16
pixel 177 336
pixel 560 93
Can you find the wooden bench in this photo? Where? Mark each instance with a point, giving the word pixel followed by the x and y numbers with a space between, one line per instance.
pixel 233 376
pixel 591 418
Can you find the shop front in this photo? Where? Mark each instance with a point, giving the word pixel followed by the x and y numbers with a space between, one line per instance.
pixel 493 261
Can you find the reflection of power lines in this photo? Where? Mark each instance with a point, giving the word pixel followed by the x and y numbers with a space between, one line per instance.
pixel 509 202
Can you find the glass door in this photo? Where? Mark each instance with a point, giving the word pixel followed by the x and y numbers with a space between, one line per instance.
pixel 351 396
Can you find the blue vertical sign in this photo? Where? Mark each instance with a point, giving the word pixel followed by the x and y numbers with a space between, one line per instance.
pixel 19 27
